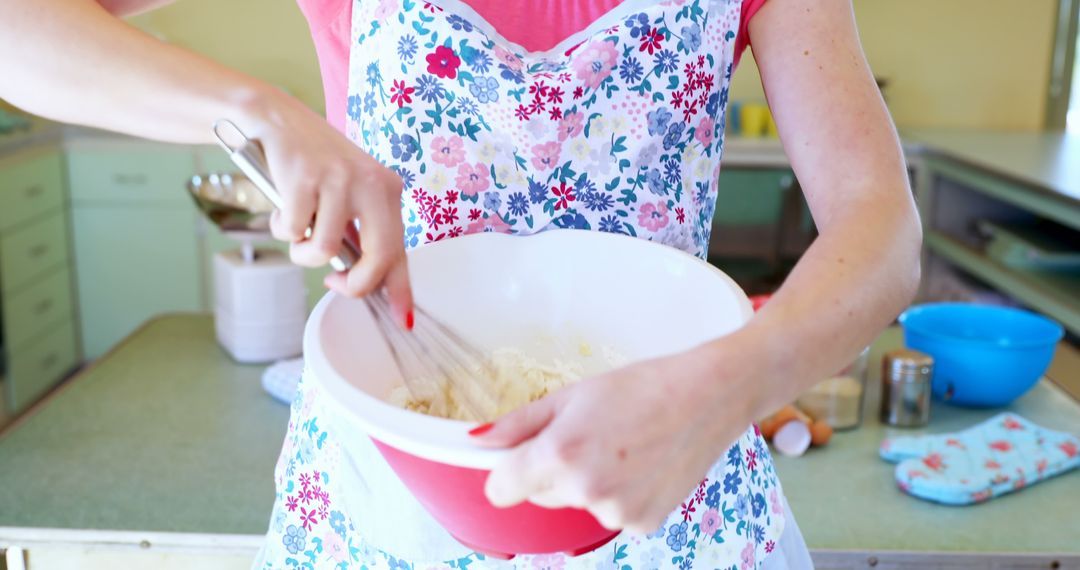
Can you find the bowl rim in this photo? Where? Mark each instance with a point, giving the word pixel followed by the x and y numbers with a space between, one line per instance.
pixel 413 435
pixel 905 320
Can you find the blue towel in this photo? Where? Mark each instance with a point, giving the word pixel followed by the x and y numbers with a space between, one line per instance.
pixel 1003 454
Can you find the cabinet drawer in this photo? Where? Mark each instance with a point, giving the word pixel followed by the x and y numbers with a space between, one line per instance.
pixel 32 250
pixel 748 197
pixel 36 308
pixel 29 187
pixel 130 175
pixel 36 367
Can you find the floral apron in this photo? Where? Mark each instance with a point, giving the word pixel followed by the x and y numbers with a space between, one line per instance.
pixel 618 129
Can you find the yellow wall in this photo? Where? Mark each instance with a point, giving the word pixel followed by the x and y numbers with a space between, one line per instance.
pixel 952 63
pixel 266 38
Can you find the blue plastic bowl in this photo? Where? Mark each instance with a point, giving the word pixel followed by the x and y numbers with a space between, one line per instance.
pixel 984 356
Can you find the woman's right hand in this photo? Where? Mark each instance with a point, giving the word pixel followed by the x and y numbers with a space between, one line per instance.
pixel 321 175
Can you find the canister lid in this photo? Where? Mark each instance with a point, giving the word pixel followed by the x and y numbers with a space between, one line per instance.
pixel 906 364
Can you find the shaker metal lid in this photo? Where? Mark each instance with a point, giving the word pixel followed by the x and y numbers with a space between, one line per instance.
pixel 906 363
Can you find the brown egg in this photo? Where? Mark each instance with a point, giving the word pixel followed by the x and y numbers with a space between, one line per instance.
pixel 768 427
pixel 803 416
pixel 820 432
pixel 785 415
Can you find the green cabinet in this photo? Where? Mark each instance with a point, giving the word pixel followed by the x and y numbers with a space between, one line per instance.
pixel 38 341
pixel 136 173
pixel 136 248
pixel 751 196
pixel 38 366
pixel 30 312
pixel 32 184
pixel 761 227
pixel 33 250
pixel 753 207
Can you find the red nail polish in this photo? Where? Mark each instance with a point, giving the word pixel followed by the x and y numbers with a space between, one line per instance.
pixel 409 321
pixel 481 429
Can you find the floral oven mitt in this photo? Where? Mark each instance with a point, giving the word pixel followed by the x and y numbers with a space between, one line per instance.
pixel 1003 454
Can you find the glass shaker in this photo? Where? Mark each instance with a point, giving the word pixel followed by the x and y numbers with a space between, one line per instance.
pixel 839 400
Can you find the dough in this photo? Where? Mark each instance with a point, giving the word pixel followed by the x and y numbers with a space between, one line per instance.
pixel 518 379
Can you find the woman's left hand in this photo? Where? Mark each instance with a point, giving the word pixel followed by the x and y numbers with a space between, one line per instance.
pixel 629 445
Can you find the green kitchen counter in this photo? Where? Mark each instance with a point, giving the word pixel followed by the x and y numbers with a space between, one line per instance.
pixel 1046 162
pixel 164 434
pixel 846 501
pixel 167 435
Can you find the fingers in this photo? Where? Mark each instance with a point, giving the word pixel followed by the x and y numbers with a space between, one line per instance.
pixel 277 227
pixel 522 474
pixel 329 229
pixel 609 514
pixel 324 181
pixel 337 281
pixel 521 424
pixel 558 459
pixel 633 509
pixel 370 270
pixel 539 467
pixel 385 266
pixel 649 503
pixel 399 290
pixel 299 199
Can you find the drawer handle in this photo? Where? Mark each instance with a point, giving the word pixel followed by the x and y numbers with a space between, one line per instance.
pixel 43 307
pixel 49 361
pixel 34 191
pixel 38 250
pixel 13 558
pixel 130 179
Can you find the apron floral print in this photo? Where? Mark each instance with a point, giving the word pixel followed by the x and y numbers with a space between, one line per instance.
pixel 731 520
pixel 619 129
pixel 620 133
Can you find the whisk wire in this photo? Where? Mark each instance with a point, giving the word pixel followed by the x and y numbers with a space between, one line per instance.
pixel 433 358
pixel 383 320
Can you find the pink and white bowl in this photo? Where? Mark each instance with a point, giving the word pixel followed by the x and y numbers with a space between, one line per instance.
pixel 644 299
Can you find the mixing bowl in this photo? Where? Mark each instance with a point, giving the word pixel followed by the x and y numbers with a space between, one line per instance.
pixel 642 299
pixel 984 355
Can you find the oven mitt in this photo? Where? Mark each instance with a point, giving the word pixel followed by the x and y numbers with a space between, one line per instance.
pixel 1003 454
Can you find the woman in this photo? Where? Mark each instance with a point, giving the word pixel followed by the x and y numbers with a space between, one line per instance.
pixel 461 116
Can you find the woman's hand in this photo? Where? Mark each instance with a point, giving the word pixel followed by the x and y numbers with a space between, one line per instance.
pixel 629 445
pixel 323 177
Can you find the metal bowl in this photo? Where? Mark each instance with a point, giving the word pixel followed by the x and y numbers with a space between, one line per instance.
pixel 231 201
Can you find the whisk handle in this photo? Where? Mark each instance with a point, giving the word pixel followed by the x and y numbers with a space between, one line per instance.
pixel 248 156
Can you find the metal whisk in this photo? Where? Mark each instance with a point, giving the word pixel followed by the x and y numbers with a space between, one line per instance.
pixel 434 360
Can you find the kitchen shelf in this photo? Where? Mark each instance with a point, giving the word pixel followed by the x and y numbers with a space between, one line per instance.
pixel 1055 294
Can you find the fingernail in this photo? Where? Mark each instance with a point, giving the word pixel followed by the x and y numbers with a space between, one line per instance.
pixel 481 429
pixel 409 321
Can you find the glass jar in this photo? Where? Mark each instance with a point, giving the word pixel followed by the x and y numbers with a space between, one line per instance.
pixel 839 400
pixel 905 388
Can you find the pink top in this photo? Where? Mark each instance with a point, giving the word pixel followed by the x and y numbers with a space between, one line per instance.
pixel 331 25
